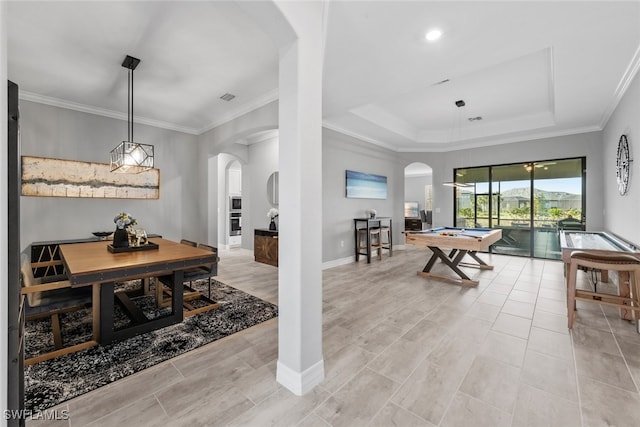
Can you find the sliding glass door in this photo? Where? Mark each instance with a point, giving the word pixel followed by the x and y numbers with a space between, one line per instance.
pixel 530 202
pixel 511 188
pixel 558 203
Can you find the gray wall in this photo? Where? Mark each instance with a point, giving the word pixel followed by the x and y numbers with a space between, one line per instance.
pixel 621 212
pixel 585 144
pixel 339 153
pixel 229 138
pixel 414 189
pixel 263 161
pixel 188 171
pixel 65 134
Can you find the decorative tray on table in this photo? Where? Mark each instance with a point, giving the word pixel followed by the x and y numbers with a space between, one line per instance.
pixel 147 246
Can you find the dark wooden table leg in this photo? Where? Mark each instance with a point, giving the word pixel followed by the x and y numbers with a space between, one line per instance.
pixel 368 243
pixel 390 238
pixel 106 313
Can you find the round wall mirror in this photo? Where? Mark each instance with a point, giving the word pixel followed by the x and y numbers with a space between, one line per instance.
pixel 272 188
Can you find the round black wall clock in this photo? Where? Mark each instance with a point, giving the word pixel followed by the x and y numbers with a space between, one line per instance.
pixel 623 165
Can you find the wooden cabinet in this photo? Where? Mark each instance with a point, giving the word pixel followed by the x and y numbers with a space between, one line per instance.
pixel 265 246
pixel 413 224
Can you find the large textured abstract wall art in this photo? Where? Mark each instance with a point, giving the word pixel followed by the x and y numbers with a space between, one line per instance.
pixel 71 178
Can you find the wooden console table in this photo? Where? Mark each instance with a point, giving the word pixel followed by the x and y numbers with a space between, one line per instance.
pixel 265 246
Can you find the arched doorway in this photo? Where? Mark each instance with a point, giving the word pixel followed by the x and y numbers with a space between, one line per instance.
pixel 418 196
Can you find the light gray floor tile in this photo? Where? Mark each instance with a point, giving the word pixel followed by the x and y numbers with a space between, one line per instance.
pixel 91 406
pixel 393 415
pixel 313 421
pixel 500 288
pixel 550 321
pixel 489 297
pixel 378 338
pixel 146 411
pixel 631 354
pixel 554 294
pixel 493 382
pixel 466 411
pixel 484 311
pixel 523 296
pixel 536 408
pixel 551 343
pixel 282 408
pixel 551 305
pixel 344 365
pixel 428 391
pixel 358 401
pixel 518 308
pixel 604 367
pixel 553 375
pixel 604 405
pixel 594 340
pixel 512 325
pixel 505 348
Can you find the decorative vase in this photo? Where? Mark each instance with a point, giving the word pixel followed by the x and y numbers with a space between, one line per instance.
pixel 120 238
pixel 372 215
pixel 272 225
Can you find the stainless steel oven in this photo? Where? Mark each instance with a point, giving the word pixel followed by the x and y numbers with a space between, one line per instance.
pixel 235 203
pixel 235 224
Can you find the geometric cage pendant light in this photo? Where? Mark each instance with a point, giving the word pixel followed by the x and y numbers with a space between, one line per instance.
pixel 130 156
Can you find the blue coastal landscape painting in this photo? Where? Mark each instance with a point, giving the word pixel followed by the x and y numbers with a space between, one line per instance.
pixel 366 185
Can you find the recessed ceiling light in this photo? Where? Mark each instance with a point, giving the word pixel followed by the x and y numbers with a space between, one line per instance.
pixel 433 35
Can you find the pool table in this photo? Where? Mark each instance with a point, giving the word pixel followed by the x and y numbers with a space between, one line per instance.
pixel 461 241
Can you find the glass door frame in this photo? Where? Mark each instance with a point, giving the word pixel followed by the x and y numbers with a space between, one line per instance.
pixel 583 177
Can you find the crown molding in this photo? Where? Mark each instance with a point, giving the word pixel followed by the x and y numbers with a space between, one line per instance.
pixel 343 131
pixel 254 104
pixel 455 147
pixel 69 105
pixel 504 140
pixel 623 85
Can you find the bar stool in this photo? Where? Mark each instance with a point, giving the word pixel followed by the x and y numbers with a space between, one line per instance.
pixel 621 263
pixel 385 239
pixel 375 241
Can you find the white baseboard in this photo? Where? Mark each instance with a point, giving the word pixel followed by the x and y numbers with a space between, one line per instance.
pixel 350 259
pixel 338 262
pixel 300 382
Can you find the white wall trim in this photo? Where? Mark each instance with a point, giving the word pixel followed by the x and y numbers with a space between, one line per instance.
pixel 338 262
pixel 333 127
pixel 61 103
pixel 240 111
pixel 445 148
pixel 623 85
pixel 300 382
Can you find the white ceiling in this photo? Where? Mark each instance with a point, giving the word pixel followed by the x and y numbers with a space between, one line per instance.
pixel 529 69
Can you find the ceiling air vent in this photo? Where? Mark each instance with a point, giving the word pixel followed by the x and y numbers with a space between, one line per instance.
pixel 473 119
pixel 227 97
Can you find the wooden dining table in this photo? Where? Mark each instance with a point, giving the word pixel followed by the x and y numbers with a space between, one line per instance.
pixel 91 264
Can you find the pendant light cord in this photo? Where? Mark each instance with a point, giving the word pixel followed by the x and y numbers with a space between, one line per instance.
pixel 130 106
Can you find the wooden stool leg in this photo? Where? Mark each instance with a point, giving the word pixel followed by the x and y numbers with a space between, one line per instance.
pixel 571 294
pixel 634 289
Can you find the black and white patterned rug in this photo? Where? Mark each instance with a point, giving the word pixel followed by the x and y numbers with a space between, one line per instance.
pixel 54 381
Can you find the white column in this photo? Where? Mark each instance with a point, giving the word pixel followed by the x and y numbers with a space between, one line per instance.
pixel 297 29
pixel 300 362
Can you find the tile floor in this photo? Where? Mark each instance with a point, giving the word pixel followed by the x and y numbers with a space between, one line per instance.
pixel 400 350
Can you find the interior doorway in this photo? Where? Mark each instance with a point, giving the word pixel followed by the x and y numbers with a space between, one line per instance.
pixel 418 196
pixel 234 203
